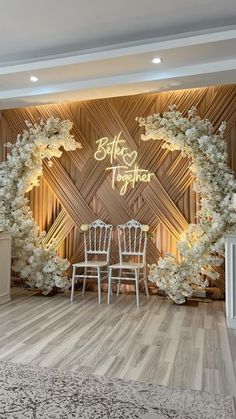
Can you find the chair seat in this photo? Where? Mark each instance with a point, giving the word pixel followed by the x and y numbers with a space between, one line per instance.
pixel 90 264
pixel 127 265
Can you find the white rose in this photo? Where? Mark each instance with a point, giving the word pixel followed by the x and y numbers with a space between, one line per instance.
pixel 145 227
pixel 84 227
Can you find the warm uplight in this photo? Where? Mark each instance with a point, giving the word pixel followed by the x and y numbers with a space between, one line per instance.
pixel 183 235
pixel 33 79
pixel 157 60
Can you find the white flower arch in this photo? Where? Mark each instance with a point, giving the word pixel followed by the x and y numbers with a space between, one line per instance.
pixel 38 265
pixel 202 247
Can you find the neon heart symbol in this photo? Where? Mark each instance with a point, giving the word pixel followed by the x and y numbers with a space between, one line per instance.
pixel 129 158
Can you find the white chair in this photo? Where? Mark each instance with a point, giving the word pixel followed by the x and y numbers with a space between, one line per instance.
pixel 97 243
pixel 132 240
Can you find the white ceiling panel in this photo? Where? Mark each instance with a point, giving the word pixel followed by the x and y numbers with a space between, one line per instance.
pixel 94 48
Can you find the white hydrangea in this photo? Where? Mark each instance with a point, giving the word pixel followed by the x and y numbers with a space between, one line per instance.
pixel 202 247
pixel 38 265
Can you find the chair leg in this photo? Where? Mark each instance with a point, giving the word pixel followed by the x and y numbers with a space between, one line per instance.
pixel 108 270
pixel 118 284
pixel 84 280
pixel 109 285
pixel 72 284
pixel 145 280
pixel 146 287
pixel 137 286
pixel 99 287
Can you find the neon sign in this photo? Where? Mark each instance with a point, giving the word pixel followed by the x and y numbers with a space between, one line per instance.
pixel 124 167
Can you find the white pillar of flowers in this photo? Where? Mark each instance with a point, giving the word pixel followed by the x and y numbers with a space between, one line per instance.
pixel 5 267
pixel 230 279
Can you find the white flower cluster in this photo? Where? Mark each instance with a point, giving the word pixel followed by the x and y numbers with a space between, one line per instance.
pixel 39 266
pixel 202 247
pixel 84 227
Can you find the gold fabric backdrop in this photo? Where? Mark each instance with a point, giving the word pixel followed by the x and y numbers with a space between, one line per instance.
pixel 77 189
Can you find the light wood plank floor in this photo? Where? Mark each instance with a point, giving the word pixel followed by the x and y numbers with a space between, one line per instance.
pixel 162 343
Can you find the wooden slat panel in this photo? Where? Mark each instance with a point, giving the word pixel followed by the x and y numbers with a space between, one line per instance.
pixel 77 189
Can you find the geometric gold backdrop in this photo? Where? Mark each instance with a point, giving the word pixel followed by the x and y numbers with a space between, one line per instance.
pixel 77 189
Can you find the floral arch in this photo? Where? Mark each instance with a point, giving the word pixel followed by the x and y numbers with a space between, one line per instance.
pixel 200 250
pixel 202 247
pixel 35 263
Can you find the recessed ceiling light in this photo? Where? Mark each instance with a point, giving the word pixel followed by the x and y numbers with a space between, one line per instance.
pixel 34 79
pixel 156 60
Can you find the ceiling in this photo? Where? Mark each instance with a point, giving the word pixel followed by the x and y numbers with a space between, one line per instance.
pixel 98 48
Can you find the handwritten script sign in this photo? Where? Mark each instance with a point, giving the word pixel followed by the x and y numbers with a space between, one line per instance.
pixel 124 167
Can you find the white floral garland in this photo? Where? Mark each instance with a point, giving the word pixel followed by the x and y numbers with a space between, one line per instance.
pixel 38 265
pixel 202 247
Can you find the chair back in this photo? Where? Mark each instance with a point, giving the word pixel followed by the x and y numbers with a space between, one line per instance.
pixel 132 240
pixel 97 240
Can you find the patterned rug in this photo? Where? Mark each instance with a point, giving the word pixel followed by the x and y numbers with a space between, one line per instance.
pixel 41 393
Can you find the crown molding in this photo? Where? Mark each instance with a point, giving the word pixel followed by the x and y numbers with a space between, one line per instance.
pixel 121 50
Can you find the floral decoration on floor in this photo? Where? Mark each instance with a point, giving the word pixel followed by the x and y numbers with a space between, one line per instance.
pixel 38 265
pixel 202 247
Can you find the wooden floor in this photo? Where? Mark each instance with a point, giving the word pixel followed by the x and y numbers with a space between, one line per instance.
pixel 183 346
